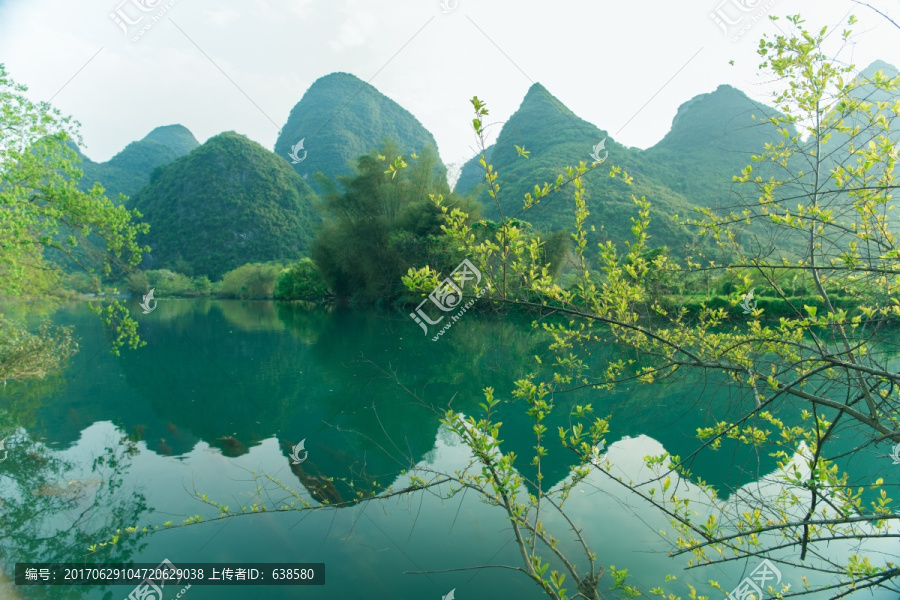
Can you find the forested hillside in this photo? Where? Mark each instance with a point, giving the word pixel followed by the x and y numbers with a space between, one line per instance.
pixel 227 203
pixel 555 138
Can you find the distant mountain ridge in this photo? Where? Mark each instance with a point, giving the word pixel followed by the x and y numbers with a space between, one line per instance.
pixel 555 138
pixel 129 170
pixel 269 198
pixel 712 138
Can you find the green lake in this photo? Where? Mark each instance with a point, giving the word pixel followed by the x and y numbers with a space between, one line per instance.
pixel 222 392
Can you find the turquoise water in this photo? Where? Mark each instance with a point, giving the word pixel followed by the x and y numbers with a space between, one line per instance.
pixel 223 390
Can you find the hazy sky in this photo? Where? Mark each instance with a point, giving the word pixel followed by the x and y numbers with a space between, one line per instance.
pixel 241 65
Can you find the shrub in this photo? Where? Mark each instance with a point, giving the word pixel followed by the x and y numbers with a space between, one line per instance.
pixel 137 283
pixel 80 282
pixel 254 281
pixel 301 281
pixel 168 283
pixel 200 286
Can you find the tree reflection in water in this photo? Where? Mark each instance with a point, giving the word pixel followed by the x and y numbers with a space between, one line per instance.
pixel 53 509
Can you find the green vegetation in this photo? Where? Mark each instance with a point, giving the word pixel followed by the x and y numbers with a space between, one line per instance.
pixel 302 281
pixel 816 375
pixel 226 203
pixel 380 223
pixel 124 174
pixel 251 282
pixel 341 118
pixel 805 356
pixel 167 283
pixel 39 196
pixel 712 137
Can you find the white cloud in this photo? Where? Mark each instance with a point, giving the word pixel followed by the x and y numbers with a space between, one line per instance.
pixel 358 25
pixel 223 16
pixel 301 9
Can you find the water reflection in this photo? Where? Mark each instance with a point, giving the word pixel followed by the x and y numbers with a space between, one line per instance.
pixel 224 389
pixel 54 505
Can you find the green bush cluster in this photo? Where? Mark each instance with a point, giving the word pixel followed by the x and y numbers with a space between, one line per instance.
pixel 254 281
pixel 248 281
pixel 301 281
pixel 167 283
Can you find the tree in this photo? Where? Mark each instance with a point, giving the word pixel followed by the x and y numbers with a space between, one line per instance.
pixel 381 222
pixel 42 210
pixel 828 217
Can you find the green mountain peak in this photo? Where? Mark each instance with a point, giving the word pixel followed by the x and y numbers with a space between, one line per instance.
pixel 340 118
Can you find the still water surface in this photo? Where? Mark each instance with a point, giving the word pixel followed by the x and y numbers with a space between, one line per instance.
pixel 223 390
